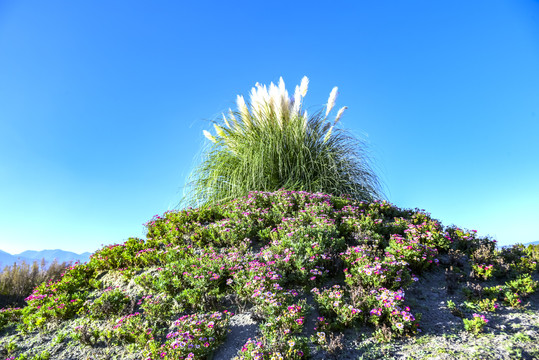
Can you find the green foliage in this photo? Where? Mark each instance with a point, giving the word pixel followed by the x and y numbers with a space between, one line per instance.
pixel 523 285
pixel 476 324
pixel 10 347
pixel 9 316
pixel 295 348
pixel 487 305
pixel 512 291
pixel 159 309
pixel 194 282
pixel 532 251
pixel 455 310
pixel 133 328
pixel 112 302
pixel 483 271
pixel 86 335
pixel 335 304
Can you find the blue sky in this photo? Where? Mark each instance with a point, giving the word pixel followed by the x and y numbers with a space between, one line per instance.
pixel 102 105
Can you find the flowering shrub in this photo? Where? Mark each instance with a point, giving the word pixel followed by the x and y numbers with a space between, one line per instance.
pixel 335 304
pixel 512 299
pixel 467 240
pixel 305 251
pixel 257 282
pixel 279 328
pixel 366 269
pixel 47 303
pixel 192 337
pixel 411 250
pixel 483 271
pixel 226 232
pixel 476 324
pixel 386 307
pixel 118 255
pixel 488 305
pixel 173 224
pixel 253 349
pixel 9 316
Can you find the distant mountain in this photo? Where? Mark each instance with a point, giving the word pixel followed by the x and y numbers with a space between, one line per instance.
pixel 6 258
pixel 533 243
pixel 59 255
pixel 30 256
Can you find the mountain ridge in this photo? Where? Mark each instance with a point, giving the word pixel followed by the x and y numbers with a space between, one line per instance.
pixel 29 256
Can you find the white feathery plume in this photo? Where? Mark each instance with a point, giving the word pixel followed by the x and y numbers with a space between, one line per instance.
pixel 226 121
pixel 209 136
pixel 304 85
pixel 273 99
pixel 284 101
pixel 275 102
pixel 242 107
pixel 233 118
pixel 339 114
pixel 273 94
pixel 220 132
pixel 328 134
pixel 331 100
pixel 297 101
pixel 281 85
pixel 258 98
pixel 244 111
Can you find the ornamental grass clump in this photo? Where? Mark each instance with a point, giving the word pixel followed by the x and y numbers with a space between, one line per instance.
pixel 272 143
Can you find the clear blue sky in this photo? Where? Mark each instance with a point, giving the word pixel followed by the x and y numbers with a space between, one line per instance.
pixel 103 103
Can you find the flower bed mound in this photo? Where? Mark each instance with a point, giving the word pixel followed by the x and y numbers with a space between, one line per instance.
pixel 298 270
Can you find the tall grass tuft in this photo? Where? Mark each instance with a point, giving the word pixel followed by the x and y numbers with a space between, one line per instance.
pixel 272 143
pixel 18 281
